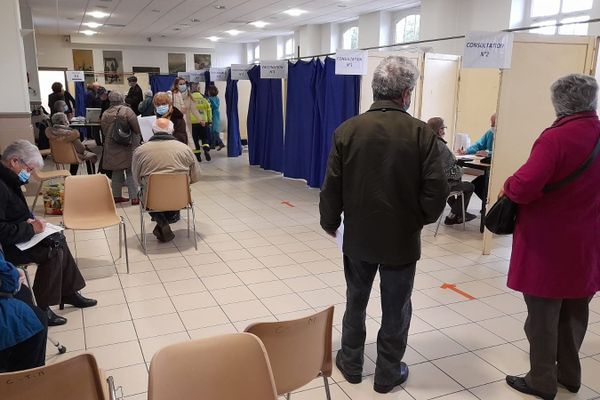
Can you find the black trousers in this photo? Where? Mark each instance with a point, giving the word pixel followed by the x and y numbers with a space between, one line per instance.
pixel 57 273
pixel 396 289
pixel 91 168
pixel 481 186
pixel 456 204
pixel 555 329
pixel 30 353
pixel 200 134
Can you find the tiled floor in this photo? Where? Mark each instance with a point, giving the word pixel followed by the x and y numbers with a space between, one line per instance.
pixel 261 260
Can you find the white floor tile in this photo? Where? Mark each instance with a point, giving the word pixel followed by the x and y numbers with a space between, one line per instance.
pixel 469 370
pixel 246 310
pixel 426 381
pixel 433 345
pixel 507 358
pixel 157 326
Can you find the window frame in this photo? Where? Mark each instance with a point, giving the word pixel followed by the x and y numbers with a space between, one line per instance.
pixel 560 16
pixel 404 18
pixel 347 29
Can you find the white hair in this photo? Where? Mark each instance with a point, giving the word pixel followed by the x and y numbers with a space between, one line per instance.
pixel 158 129
pixel 574 93
pixel 393 75
pixel 24 151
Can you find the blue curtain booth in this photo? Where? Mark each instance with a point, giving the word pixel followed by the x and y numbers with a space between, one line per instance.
pixel 161 83
pixel 265 122
pixel 234 143
pixel 302 120
pixel 80 93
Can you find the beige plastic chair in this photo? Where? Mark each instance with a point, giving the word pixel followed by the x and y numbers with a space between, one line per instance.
pixel 456 194
pixel 89 204
pixel 167 192
pixel 63 153
pixel 43 176
pixel 72 379
pixel 299 350
pixel 226 367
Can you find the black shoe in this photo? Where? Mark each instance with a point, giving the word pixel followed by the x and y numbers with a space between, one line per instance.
pixel 174 219
pixel 388 388
pixel 470 217
pixel 453 220
pixel 207 155
pixel 350 378
pixel 77 300
pixel 53 319
pixel 520 385
pixel 570 388
pixel 163 233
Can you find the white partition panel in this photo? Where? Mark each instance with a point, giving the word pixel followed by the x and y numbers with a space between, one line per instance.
pixel 244 88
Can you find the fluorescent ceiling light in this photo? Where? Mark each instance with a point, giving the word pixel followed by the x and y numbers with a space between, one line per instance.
pixel 259 24
pixel 98 14
pixel 234 32
pixel 213 38
pixel 92 24
pixel 88 32
pixel 295 12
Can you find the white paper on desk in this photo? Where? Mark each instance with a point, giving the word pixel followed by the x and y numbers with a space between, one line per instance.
pixel 38 237
pixel 146 126
pixel 339 237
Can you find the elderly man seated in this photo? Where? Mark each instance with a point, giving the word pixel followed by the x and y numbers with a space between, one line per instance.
pixel 454 175
pixel 163 153
pixel 60 131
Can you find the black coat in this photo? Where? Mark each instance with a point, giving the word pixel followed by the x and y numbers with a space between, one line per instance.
pixel 14 211
pixel 66 97
pixel 134 98
pixel 384 173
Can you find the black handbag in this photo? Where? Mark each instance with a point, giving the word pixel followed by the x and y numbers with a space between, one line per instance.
pixel 121 133
pixel 502 217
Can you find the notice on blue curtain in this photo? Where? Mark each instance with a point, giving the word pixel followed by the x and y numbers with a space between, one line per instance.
pixel 219 74
pixel 274 69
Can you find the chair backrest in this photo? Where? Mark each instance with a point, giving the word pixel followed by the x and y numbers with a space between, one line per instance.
pixel 63 152
pixel 72 379
pixel 226 367
pixel 299 350
pixel 88 197
pixel 167 192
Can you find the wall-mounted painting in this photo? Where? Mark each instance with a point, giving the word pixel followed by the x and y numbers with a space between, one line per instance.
pixel 83 60
pixel 176 63
pixel 113 67
pixel 148 70
pixel 201 61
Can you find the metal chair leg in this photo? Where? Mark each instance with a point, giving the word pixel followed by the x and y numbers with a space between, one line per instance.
pixel 125 243
pixel 438 225
pixel 194 224
pixel 288 395
pixel 188 221
pixel 464 212
pixel 37 194
pixel 120 239
pixel 327 392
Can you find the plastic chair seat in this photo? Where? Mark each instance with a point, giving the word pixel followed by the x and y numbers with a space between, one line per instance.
pixel 88 222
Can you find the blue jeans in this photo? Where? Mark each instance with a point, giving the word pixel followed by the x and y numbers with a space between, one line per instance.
pixel 396 289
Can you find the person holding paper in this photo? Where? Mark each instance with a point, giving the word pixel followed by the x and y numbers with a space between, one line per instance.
pixel 57 280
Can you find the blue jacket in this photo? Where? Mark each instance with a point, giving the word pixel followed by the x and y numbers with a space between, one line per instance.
pixel 18 322
pixel 486 142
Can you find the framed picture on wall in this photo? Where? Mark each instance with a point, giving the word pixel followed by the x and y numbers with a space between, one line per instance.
pixel 148 70
pixel 83 60
pixel 202 61
pixel 176 63
pixel 113 67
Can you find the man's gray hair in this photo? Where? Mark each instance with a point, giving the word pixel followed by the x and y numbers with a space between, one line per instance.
pixel 60 118
pixel 574 93
pixel 25 151
pixel 115 98
pixel 393 76
pixel 170 128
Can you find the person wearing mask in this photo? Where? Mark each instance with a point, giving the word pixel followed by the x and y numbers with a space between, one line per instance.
pixel 60 131
pixel 164 108
pixel 482 148
pixel 57 278
pixel 134 96
pixel 59 94
pixel 555 260
pixel 384 173
pixel 215 103
pixel 117 157
pixel 146 108
pixel 453 174
pixel 182 100
pixel 201 128
pixel 163 154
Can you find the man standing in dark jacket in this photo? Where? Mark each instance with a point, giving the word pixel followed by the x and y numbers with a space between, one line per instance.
pixel 135 95
pixel 384 173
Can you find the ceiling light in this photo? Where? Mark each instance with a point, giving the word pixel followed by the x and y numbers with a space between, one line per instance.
pixel 220 7
pixel 342 5
pixel 234 32
pixel 259 24
pixel 92 24
pixel 98 14
pixel 155 10
pixel 195 20
pixel 185 25
pixel 295 12
pixel 213 38
pixel 88 32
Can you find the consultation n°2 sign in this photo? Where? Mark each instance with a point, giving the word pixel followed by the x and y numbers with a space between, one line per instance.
pixel 488 50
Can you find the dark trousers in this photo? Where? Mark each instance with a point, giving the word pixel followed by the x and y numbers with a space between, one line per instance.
pixel 555 329
pixel 396 289
pixel 199 134
pixel 481 186
pixel 91 168
pixel 57 274
pixel 162 218
pixel 30 353
pixel 455 203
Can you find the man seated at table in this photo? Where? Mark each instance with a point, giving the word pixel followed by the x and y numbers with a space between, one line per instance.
pixel 163 153
pixel 454 175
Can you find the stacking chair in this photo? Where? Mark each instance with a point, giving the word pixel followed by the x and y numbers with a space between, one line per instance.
pixel 167 192
pixel 63 153
pixel 89 204
pixel 43 176
pixel 226 367
pixel 299 350
pixel 72 379
pixel 456 194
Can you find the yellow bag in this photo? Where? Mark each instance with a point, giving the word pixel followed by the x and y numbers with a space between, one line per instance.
pixel 54 198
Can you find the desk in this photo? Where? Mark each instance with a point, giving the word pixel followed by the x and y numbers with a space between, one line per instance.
pixel 94 128
pixel 476 163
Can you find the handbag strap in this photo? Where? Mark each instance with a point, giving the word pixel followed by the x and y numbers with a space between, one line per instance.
pixel 586 164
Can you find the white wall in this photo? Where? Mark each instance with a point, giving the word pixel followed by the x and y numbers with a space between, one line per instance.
pixel 374 29
pixel 12 63
pixel 309 40
pixel 329 38
pixel 30 52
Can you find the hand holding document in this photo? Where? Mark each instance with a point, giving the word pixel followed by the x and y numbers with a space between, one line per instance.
pixel 38 237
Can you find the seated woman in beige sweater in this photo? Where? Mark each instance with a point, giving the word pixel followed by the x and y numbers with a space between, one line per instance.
pixel 61 131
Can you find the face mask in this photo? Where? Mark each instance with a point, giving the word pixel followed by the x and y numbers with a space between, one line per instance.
pixel 66 108
pixel 162 110
pixel 24 176
pixel 182 88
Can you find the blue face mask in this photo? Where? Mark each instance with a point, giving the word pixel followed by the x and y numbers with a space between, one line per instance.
pixel 182 88
pixel 162 110
pixel 24 176
pixel 66 108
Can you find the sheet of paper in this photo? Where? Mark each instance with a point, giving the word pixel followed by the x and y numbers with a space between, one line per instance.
pixel 146 126
pixel 339 237
pixel 38 237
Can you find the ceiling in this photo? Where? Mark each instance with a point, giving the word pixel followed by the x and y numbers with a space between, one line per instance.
pixel 197 19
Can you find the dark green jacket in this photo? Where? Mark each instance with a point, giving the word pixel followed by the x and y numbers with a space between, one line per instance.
pixel 384 173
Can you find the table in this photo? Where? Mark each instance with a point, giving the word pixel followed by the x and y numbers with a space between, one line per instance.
pixel 475 163
pixel 94 128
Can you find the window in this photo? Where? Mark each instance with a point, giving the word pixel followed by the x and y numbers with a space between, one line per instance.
pixel 288 48
pixel 546 13
pixel 257 52
pixel 407 29
pixel 350 38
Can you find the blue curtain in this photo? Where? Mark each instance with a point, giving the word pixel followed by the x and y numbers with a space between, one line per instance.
pixel 161 83
pixel 234 143
pixel 265 122
pixel 302 121
pixel 80 93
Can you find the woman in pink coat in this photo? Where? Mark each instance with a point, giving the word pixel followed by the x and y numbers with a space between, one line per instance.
pixel 555 258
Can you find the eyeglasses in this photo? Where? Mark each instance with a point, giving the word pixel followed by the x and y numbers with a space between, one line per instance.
pixel 29 169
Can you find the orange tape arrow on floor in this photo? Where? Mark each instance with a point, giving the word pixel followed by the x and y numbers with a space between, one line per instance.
pixel 287 203
pixel 453 287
